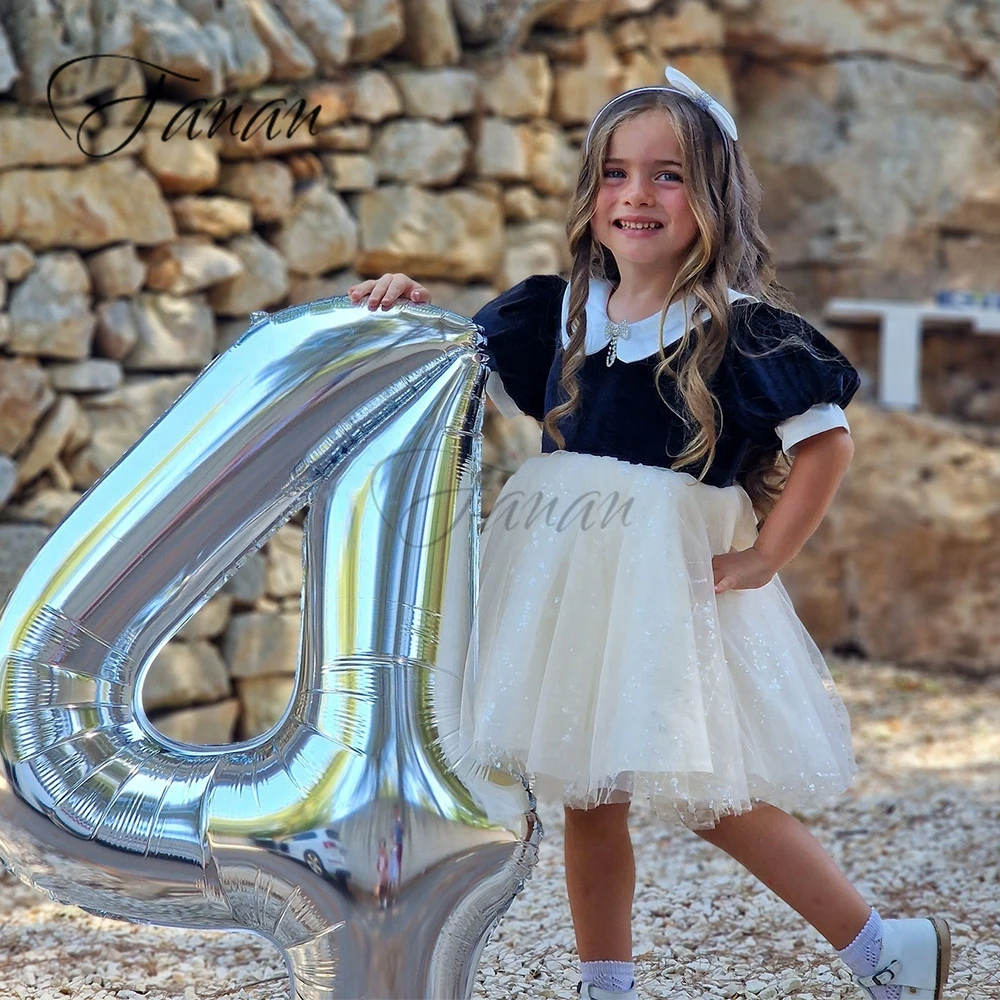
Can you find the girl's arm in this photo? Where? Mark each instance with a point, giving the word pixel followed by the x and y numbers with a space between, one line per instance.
pixel 818 466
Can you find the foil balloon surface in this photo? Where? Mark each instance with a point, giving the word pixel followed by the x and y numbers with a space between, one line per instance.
pixel 349 834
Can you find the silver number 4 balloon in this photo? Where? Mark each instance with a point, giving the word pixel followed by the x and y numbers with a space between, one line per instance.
pixel 352 834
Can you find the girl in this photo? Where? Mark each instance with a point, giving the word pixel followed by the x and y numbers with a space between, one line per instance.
pixel 636 638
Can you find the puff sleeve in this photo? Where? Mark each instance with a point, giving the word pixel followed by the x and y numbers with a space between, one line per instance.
pixel 521 327
pixel 786 396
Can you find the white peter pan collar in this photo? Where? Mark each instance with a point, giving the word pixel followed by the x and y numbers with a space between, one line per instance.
pixel 643 334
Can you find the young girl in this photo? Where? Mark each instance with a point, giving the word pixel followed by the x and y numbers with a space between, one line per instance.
pixel 634 636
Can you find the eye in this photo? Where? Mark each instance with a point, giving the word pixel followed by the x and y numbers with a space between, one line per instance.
pixel 663 173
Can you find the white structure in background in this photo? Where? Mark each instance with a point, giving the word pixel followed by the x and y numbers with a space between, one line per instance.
pixel 901 326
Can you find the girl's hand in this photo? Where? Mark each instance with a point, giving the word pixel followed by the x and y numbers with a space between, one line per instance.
pixel 387 290
pixel 744 570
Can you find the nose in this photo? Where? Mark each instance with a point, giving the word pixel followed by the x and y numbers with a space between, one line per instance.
pixel 637 191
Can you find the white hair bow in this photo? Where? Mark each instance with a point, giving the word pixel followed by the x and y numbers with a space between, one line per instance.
pixel 686 86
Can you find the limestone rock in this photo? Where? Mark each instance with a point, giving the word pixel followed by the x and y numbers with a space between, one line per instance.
pixel 264 280
pixel 378 29
pixel 50 310
pixel 89 375
pixel 465 300
pixel 554 163
pixel 25 395
pixel 505 22
pixel 182 165
pixel 8 67
pixel 455 234
pixel 45 36
pixel 438 94
pixel 117 332
pixel 259 644
pixel 376 97
pixel 209 621
pixel 350 171
pixel 217 216
pixel 170 37
pixel 284 562
pixel 291 58
pixel 581 91
pixel 49 440
pixel 521 203
pixel 86 207
pixel 641 68
pixel 263 701
pixel 267 185
pixel 19 544
pixel 185 673
pixel 204 725
pixel 45 506
pixel 310 289
pixel 420 152
pixel 834 128
pixel 325 29
pixel 189 264
pixel 692 25
pixel 229 27
pixel 910 31
pixel 246 587
pixel 431 35
pixel 912 539
pixel 119 419
pixel 228 331
pixel 8 481
pixel 503 150
pixel 535 248
pixel 623 8
pixel 116 271
pixel 520 88
pixel 572 15
pixel 319 234
pixel 16 260
pixel 175 332
pixel 36 141
pixel 332 100
pixel 355 137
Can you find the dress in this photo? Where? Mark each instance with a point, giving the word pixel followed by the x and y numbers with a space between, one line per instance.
pixel 602 664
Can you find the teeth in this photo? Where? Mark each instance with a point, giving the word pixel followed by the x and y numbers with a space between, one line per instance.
pixel 639 225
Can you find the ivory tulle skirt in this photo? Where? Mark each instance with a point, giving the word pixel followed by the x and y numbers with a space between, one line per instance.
pixel 607 667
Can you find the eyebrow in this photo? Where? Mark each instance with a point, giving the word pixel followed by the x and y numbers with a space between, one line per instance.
pixel 615 159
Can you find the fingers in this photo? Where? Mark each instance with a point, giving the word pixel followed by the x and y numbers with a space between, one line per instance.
pixel 385 291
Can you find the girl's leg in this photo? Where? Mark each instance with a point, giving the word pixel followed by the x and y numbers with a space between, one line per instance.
pixel 789 860
pixel 600 881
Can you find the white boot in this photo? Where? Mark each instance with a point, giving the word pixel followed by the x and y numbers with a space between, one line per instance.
pixel 588 991
pixel 915 955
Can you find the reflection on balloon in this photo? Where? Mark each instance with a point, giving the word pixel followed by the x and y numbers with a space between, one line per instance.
pixel 352 834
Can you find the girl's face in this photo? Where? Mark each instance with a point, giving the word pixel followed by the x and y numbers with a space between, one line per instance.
pixel 643 181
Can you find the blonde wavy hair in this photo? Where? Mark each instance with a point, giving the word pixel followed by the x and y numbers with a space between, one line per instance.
pixel 730 251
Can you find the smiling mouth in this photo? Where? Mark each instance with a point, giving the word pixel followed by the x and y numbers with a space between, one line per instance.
pixel 637 226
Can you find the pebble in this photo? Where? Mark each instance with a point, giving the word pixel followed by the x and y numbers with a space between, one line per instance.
pixel 917 831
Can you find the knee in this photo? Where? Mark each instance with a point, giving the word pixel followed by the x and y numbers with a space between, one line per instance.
pixel 605 816
pixel 754 822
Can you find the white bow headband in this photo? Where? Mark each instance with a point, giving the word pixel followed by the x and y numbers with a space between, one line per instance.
pixel 679 84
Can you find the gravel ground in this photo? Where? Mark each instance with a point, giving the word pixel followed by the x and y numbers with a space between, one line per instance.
pixel 917 833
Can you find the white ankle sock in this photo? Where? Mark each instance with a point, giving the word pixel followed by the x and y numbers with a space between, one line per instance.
pixel 609 975
pixel 863 953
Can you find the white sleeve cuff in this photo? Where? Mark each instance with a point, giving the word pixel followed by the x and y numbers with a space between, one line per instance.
pixel 495 390
pixel 818 418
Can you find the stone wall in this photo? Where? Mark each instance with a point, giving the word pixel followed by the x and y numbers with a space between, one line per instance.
pixel 447 144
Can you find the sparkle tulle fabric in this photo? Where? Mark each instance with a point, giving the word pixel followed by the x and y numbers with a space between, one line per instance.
pixel 607 668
